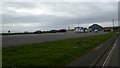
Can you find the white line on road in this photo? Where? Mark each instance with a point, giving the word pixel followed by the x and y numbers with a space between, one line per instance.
pixel 109 55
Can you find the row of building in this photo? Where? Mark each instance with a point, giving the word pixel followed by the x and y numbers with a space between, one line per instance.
pixel 96 27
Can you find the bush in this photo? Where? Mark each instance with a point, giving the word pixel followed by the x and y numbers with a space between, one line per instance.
pixel 38 32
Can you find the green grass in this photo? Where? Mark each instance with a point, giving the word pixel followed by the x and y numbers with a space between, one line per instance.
pixel 53 53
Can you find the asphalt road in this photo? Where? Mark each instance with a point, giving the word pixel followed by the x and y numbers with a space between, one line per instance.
pixel 13 40
pixel 114 55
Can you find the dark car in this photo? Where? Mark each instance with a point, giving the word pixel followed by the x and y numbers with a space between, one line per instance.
pixel 53 31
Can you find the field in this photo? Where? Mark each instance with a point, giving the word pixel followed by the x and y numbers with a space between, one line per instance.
pixel 53 53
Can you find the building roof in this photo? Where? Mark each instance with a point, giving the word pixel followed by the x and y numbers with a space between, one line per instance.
pixel 95 25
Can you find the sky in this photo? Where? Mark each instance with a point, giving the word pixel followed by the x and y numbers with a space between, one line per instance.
pixel 60 0
pixel 32 16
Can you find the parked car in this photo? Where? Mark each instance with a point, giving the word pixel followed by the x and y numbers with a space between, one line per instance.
pixel 95 30
pixel 79 31
pixel 86 30
pixel 53 31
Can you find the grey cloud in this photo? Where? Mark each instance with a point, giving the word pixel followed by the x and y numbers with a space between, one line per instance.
pixel 18 4
pixel 84 12
pixel 103 17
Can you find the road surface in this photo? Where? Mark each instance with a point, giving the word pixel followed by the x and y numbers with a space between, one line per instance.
pixel 112 58
pixel 13 40
pixel 114 55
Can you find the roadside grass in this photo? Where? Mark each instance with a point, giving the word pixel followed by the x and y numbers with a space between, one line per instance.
pixel 52 53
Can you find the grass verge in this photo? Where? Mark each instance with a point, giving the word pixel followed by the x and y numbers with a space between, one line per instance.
pixel 53 53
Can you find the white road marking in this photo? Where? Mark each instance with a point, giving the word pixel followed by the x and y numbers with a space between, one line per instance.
pixel 109 55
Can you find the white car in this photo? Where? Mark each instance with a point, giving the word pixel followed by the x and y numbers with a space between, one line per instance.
pixel 79 31
pixel 86 31
pixel 95 30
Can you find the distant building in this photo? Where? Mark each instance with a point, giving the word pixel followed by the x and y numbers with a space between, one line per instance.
pixel 108 29
pixel 111 28
pixel 95 27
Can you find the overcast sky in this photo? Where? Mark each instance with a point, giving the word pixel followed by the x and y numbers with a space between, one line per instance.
pixel 32 16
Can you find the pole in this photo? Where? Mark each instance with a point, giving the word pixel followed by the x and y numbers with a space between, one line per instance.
pixel 113 25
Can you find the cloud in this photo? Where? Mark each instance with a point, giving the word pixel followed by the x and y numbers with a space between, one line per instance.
pixel 58 15
pixel 60 0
